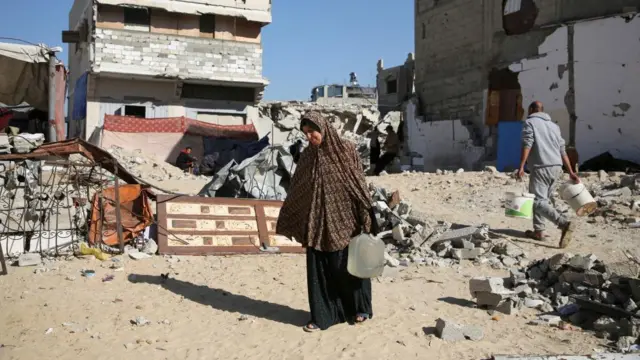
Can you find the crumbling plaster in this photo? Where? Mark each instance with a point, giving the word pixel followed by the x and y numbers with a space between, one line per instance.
pixel 607 67
pixel 606 70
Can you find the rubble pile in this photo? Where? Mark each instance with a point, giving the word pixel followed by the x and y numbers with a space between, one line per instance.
pixel 21 143
pixel 353 122
pixel 580 289
pixel 411 238
pixel 165 177
pixel 618 202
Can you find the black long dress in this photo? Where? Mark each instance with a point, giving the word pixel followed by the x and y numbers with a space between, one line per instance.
pixel 335 296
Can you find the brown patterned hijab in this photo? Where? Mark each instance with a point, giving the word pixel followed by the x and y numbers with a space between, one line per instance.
pixel 328 201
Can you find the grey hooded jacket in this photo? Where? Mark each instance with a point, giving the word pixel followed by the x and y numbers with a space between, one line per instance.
pixel 544 138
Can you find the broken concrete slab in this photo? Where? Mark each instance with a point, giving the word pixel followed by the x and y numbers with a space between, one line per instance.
pixel 558 260
pixel 491 299
pixel 448 330
pixel 583 263
pixel 548 320
pixel 466 254
pixel 487 284
pixel 29 259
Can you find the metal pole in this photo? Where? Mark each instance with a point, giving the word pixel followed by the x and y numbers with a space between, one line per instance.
pixel 52 97
pixel 118 213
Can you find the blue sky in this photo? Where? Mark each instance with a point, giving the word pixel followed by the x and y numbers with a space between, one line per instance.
pixel 309 42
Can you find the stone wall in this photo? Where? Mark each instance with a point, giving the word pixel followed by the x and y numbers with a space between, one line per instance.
pixel 143 53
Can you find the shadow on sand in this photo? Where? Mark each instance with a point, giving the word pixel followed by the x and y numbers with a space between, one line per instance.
pixel 226 301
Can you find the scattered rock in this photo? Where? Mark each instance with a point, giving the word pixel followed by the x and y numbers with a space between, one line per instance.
pixel 29 259
pixel 139 255
pixel 140 321
pixel 448 330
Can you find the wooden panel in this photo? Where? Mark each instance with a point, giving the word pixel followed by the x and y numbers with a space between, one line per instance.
pixel 493 108
pixel 215 226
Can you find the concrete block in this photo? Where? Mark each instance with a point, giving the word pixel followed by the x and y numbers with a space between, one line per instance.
pixel 583 263
pixel 448 330
pixel 509 307
pixel 490 299
pixel 487 285
pixel 29 260
pixel 466 254
pixel 558 260
pixel 398 233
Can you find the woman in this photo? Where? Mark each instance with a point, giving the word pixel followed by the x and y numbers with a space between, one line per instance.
pixel 328 203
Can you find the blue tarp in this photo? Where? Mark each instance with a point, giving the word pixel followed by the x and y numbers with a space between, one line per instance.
pixel 80 98
pixel 509 145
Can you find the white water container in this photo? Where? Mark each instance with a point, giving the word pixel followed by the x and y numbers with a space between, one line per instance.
pixel 366 256
pixel 578 197
pixel 519 205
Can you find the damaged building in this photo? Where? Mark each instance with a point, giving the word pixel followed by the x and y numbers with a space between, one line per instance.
pixel 480 63
pixel 165 59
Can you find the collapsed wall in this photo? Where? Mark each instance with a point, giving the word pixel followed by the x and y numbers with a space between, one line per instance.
pixel 281 121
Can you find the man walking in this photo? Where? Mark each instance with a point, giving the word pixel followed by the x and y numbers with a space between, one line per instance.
pixel 543 149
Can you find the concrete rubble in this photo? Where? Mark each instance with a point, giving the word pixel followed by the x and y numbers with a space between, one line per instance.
pixel 353 122
pixel 448 330
pixel 618 200
pixel 413 238
pixel 576 289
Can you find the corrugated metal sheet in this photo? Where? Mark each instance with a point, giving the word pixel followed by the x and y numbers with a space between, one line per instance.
pixel 512 6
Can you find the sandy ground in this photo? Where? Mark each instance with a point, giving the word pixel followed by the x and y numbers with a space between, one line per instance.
pixel 254 306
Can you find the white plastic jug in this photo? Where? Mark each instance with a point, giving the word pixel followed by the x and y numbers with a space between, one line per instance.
pixel 366 256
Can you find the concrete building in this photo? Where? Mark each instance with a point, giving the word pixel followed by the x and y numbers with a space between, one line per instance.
pixel 336 94
pixel 395 85
pixel 480 63
pixel 147 58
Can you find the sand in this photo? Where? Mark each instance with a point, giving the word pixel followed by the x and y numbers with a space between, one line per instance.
pixel 249 307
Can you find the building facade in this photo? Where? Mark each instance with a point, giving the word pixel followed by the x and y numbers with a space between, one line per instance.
pixel 480 63
pixel 343 94
pixel 394 85
pixel 201 59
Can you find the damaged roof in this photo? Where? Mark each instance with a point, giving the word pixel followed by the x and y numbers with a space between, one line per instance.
pixel 261 16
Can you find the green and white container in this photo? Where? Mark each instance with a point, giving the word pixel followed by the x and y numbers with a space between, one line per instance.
pixel 519 205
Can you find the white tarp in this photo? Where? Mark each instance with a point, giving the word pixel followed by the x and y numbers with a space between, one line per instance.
pixel 24 75
pixel 194 8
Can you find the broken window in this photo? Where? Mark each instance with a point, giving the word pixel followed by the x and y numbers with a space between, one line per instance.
pixel 392 86
pixel 518 16
pixel 208 25
pixel 137 19
pixel 135 111
pixel 335 91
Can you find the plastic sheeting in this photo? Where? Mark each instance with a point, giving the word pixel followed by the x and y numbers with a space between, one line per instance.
pixel 231 149
pixel 80 98
pixel 24 75
pixel 263 176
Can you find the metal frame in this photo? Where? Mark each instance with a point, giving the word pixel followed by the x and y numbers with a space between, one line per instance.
pixel 262 233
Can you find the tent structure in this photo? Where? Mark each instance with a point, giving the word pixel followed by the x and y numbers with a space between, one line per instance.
pixel 166 137
pixel 32 74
